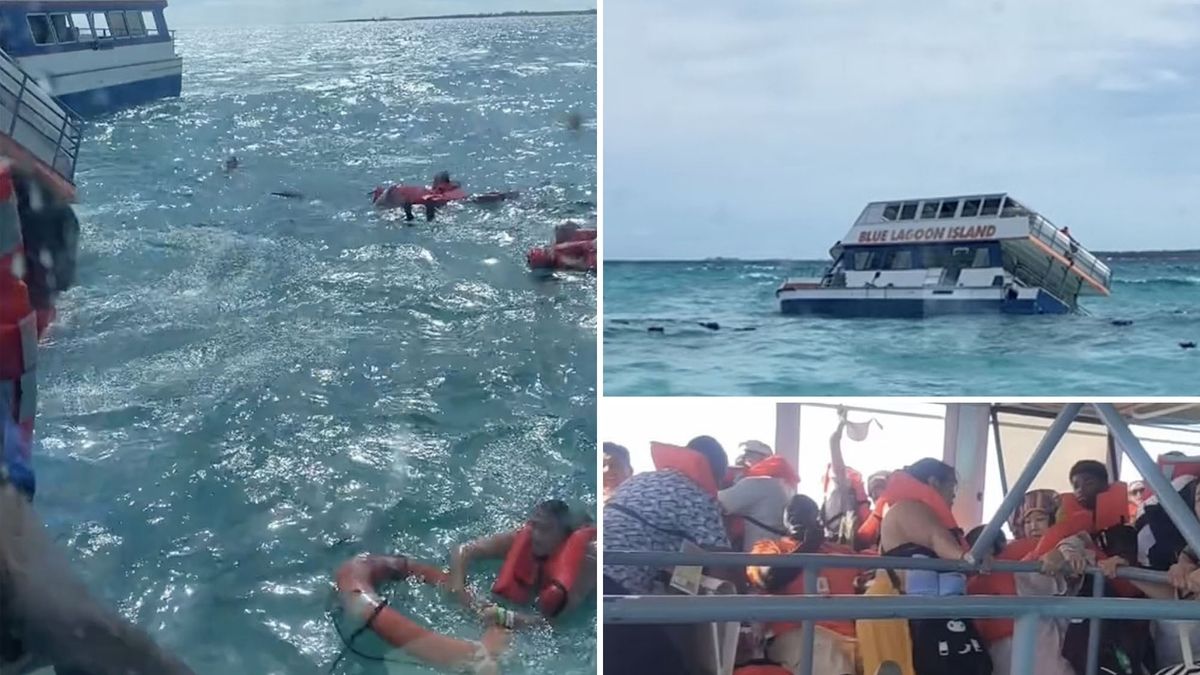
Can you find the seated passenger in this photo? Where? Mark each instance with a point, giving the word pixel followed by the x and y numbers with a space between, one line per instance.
pixel 835 647
pixel 549 562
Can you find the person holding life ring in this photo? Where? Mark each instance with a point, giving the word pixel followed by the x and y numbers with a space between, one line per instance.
pixel 550 563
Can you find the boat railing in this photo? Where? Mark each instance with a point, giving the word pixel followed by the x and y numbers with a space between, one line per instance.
pixel 685 609
pixel 1065 245
pixel 49 130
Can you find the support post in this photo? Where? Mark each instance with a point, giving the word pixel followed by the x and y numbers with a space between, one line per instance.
pixel 1013 499
pixel 787 432
pixel 999 453
pixel 1025 644
pixel 809 634
pixel 965 448
pixel 1093 653
pixel 1181 514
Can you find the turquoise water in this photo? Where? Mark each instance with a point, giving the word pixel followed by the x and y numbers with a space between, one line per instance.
pixel 948 356
pixel 246 390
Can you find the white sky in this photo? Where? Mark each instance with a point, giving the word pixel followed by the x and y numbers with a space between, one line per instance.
pixel 904 438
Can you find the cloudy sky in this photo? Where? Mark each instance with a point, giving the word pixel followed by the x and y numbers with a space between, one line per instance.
pixel 762 129
pixel 184 13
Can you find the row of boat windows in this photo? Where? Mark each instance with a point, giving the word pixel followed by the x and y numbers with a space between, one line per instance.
pixel 64 28
pixel 869 259
pixel 971 207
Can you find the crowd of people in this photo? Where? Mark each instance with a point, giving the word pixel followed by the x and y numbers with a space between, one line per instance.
pixel 694 499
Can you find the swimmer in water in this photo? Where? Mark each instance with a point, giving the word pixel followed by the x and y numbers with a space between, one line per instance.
pixel 231 164
pixel 47 615
pixel 549 527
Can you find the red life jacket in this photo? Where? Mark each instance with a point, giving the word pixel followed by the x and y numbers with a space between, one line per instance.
pixel 1112 509
pixel 999 583
pixel 560 571
pixel 830 581
pixel 20 328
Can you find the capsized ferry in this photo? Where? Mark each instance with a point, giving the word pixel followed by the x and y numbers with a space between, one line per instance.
pixel 951 255
pixel 94 56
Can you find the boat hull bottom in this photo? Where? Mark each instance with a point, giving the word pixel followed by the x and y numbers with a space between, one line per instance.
pixel 96 102
pixel 917 308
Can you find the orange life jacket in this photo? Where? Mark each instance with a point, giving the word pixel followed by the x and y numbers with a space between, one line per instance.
pixel 765 668
pixel 1112 509
pixel 830 581
pixel 20 328
pixel 560 571
pixel 903 487
pixel 686 461
pixel 999 583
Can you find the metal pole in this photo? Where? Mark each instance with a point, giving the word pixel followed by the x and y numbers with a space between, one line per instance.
pixel 1093 659
pixel 685 609
pixel 999 452
pixel 809 629
pixel 1025 644
pixel 856 562
pixel 1013 499
pixel 1181 514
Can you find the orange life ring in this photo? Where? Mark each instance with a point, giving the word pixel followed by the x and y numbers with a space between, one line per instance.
pixel 356 582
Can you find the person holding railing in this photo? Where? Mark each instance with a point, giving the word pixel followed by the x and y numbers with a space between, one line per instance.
pixel 668 509
pixel 835 644
pixel 919 523
pixel 1028 523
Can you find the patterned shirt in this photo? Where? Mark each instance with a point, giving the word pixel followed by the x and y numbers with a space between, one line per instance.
pixel 658 511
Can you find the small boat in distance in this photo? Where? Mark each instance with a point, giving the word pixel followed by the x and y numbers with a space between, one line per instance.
pixel 970 254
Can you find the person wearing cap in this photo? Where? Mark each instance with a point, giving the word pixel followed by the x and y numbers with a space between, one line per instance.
pixel 1137 496
pixel 750 453
pixel 760 498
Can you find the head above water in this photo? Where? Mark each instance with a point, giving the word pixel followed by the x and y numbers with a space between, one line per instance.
pixel 1088 479
pixel 441 178
pixel 718 461
pixel 936 474
pixel 550 525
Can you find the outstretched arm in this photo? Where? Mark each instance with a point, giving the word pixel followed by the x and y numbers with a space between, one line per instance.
pixel 835 453
pixel 486 548
pixel 49 610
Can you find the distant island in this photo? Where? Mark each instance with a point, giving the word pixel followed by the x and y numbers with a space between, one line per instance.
pixel 1183 255
pixel 489 15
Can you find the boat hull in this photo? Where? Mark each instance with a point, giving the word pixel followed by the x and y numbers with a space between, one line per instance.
pixel 103 100
pixel 916 303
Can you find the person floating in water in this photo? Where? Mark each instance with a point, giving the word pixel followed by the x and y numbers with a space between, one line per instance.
pixel 231 164
pixel 407 196
pixel 47 616
pixel 550 562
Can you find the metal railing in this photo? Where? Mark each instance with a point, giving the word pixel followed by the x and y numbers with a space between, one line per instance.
pixel 1064 245
pixel 49 130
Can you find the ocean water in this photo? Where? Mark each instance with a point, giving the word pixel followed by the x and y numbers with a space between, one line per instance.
pixel 245 390
pixel 758 352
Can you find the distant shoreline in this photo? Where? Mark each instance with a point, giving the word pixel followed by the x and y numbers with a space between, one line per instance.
pixel 488 15
pixel 1183 254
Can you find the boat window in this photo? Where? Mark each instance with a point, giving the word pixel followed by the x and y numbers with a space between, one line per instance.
pixel 133 23
pixel 39 25
pixel 983 257
pixel 100 24
pixel 891 211
pixel 62 28
pixel 901 260
pixel 150 23
pixel 82 29
pixel 991 206
pixel 929 210
pixel 948 208
pixel 116 24
pixel 908 211
pixel 1013 209
pixel 863 260
pixel 970 208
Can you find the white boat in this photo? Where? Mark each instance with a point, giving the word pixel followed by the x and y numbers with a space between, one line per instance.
pixel 94 56
pixel 950 255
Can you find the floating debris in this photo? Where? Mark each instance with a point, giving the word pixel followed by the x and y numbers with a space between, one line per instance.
pixel 1188 345
pixel 1122 322
pixel 289 194
pixel 656 329
pixel 745 329
pixel 711 325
